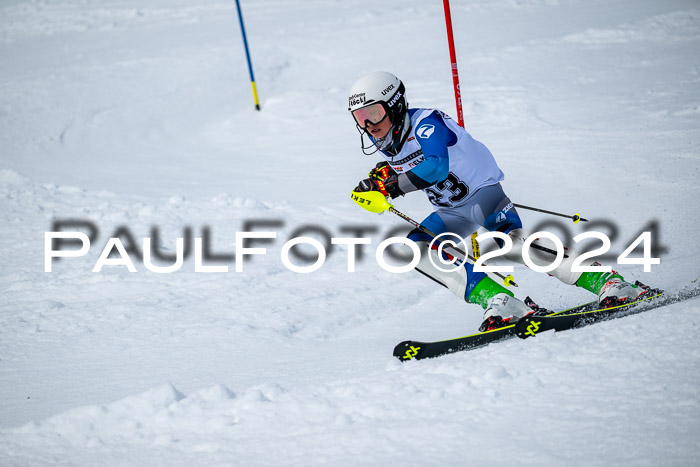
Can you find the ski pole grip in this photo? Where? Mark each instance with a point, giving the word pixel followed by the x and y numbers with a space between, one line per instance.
pixel 373 201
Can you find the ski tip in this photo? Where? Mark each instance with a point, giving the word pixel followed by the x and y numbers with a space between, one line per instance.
pixel 408 350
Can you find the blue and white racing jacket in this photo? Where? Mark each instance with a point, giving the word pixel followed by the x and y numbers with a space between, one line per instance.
pixel 442 159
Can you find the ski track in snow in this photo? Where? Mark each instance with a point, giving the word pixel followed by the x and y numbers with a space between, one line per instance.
pixel 139 115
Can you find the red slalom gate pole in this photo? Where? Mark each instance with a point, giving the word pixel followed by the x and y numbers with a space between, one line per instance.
pixel 453 59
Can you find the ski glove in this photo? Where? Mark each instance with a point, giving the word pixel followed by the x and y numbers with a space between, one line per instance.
pixel 388 187
pixel 381 172
pixel 382 178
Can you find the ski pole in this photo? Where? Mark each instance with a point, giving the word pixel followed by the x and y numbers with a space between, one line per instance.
pixel 374 201
pixel 576 217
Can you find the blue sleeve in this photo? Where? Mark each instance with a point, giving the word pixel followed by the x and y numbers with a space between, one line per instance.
pixel 434 138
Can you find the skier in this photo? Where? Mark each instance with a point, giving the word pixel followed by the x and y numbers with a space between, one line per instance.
pixel 424 149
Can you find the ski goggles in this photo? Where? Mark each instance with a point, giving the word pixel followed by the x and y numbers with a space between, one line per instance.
pixel 374 114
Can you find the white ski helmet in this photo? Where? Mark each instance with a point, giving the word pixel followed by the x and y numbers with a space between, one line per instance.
pixel 387 90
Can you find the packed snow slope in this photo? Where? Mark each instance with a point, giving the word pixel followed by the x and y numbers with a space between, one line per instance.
pixel 135 119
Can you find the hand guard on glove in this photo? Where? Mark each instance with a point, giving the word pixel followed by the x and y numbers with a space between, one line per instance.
pixel 382 179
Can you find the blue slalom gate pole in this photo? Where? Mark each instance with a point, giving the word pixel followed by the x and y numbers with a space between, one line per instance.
pixel 247 55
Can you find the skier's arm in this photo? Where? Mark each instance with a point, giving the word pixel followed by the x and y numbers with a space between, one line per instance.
pixel 434 138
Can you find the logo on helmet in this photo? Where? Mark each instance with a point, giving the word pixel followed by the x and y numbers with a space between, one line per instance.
pixel 356 99
pixel 394 100
pixel 386 91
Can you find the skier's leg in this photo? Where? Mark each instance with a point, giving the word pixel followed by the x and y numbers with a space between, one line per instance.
pixel 474 287
pixel 500 305
pixel 609 286
pixel 456 279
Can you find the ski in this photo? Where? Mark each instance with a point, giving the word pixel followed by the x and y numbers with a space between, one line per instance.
pixel 415 350
pixel 570 318
pixel 530 326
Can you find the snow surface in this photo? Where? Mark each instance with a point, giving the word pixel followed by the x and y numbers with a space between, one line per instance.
pixel 138 114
